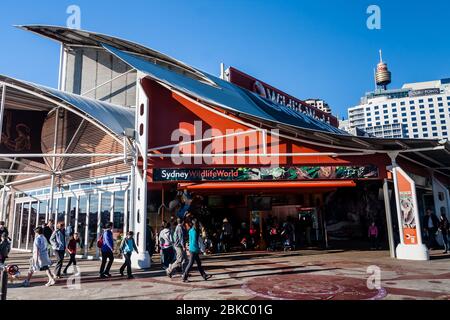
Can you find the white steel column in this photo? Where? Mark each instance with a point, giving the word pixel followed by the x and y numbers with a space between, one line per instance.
pixel 141 260
pixel 86 234
pixel 390 229
pixel 407 249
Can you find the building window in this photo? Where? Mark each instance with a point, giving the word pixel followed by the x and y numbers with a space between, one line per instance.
pixel 420 100
pixel 411 102
pixel 439 98
pixel 432 117
pixel 413 119
pixel 416 136
pixel 403 109
pixel 433 123
pixel 414 124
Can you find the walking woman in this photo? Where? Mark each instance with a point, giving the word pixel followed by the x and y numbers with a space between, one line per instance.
pixel 127 247
pixel 40 260
pixel 194 251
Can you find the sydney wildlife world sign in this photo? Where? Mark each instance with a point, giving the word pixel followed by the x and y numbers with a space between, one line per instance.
pixel 268 92
pixel 265 174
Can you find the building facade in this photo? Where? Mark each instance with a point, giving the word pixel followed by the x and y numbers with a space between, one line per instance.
pixel 417 110
pixel 87 154
pixel 319 104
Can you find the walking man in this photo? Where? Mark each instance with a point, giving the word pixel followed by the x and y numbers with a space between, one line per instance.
pixel 444 228
pixel 180 250
pixel 58 242
pixel 107 251
pixel 430 225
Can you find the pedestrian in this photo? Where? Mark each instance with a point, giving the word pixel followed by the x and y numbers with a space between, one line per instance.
pixel 48 230
pixel 58 242
pixel 3 229
pixel 373 235
pixel 430 225
pixel 227 234
pixel 166 245
pixel 40 261
pixel 106 242
pixel 72 250
pixel 150 241
pixel 180 249
pixel 444 228
pixel 194 251
pixel 127 247
pixel 5 247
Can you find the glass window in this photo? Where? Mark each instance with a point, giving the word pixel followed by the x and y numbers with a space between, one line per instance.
pixel 105 209
pixel 119 210
pixel 61 216
pixel 72 212
pixel 93 224
pixel 42 219
pixel 82 223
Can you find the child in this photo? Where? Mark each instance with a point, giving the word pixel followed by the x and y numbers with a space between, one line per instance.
pixel 72 250
pixel 373 236
pixel 5 247
pixel 127 247
pixel 40 261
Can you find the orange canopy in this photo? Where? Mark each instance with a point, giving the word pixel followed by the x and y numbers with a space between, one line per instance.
pixel 252 185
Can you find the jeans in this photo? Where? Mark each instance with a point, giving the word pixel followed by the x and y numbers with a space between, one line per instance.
pixel 431 237
pixel 166 257
pixel 71 261
pixel 180 261
pixel 194 257
pixel 126 264
pixel 106 255
pixel 373 242
pixel 445 239
pixel 59 262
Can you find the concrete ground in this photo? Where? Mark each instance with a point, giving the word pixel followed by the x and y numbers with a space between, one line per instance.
pixel 298 275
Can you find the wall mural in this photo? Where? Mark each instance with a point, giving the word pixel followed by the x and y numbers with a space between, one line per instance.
pixel 22 132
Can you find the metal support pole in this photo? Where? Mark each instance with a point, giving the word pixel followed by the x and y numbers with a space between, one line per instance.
pixel 2 109
pixel 390 228
pixel 3 283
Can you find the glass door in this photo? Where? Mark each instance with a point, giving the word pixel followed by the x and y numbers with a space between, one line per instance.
pixel 24 226
pixel 42 213
pixel 82 223
pixel 61 211
pixel 71 215
pixel 92 225
pixel 32 224
pixel 16 225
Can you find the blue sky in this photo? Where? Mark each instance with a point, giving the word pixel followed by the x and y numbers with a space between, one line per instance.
pixel 318 48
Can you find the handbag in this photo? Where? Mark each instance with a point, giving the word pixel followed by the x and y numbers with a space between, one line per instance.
pixel 100 241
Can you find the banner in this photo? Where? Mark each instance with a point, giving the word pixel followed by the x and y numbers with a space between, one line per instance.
pixel 255 174
pixel 273 94
pixel 409 215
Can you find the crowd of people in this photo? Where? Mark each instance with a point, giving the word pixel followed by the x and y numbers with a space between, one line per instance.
pixel 182 241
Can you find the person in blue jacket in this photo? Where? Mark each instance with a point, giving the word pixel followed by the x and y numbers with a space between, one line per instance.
pixel 107 251
pixel 194 251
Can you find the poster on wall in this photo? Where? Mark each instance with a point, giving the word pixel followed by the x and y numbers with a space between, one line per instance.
pixel 408 210
pixel 22 132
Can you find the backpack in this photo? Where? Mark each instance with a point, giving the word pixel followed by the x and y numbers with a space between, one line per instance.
pixel 100 241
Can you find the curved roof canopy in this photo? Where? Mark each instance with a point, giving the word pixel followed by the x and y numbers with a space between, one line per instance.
pixel 82 38
pixel 226 95
pixel 115 119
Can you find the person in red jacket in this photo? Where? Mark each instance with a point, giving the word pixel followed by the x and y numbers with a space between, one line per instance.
pixel 72 250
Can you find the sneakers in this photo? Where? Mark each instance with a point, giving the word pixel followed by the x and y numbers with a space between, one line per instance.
pixel 121 273
pixel 50 283
pixel 108 275
pixel 130 277
pixel 26 283
pixel 168 273
pixel 207 276
pixel 102 276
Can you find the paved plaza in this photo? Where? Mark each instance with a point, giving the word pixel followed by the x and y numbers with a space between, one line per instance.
pixel 298 275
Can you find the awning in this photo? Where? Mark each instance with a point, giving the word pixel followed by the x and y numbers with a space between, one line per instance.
pixel 226 95
pixel 266 185
pixel 112 117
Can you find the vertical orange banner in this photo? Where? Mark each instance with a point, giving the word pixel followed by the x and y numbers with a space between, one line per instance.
pixel 406 192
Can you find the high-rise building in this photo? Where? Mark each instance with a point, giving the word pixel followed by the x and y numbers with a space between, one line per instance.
pixel 417 110
pixel 319 104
